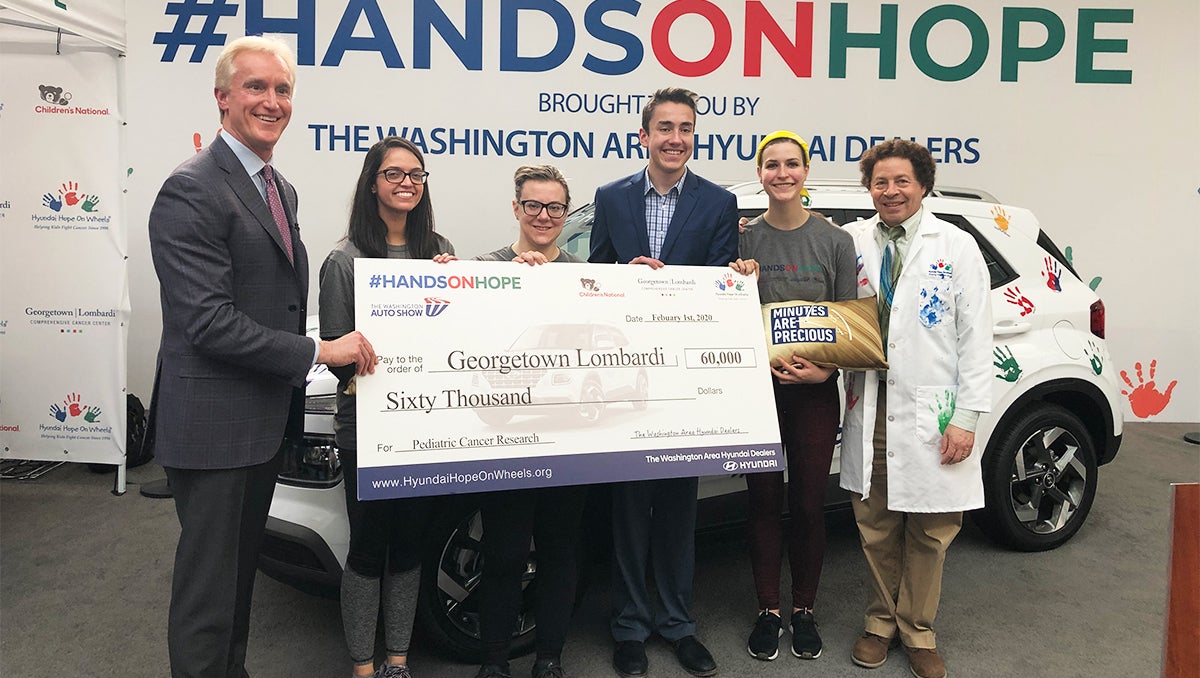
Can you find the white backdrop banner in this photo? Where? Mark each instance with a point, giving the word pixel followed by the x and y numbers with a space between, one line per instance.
pixel 101 21
pixel 1078 110
pixel 64 308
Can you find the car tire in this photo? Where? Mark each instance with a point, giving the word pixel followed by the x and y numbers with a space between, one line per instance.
pixel 591 401
pixel 1039 479
pixel 641 392
pixel 448 606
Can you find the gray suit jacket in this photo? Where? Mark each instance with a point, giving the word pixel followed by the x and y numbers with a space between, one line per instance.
pixel 233 359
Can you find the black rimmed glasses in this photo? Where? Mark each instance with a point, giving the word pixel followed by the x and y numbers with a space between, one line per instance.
pixel 396 176
pixel 555 210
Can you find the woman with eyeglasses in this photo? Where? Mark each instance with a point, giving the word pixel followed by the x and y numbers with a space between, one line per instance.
pixel 797 255
pixel 550 515
pixel 391 217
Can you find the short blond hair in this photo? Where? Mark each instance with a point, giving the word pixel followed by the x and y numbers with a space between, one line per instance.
pixel 223 74
pixel 540 173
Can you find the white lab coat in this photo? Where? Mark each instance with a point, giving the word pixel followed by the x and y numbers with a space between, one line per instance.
pixel 934 350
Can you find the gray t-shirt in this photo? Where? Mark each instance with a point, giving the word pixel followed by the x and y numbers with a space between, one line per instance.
pixel 337 319
pixel 815 262
pixel 507 253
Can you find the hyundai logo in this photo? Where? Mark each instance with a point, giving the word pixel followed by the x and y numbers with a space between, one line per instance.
pixel 730 466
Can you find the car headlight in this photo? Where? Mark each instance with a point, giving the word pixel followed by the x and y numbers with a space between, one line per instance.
pixel 311 461
pixel 322 404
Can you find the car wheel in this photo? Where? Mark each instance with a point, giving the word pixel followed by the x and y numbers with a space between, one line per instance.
pixel 591 401
pixel 448 607
pixel 493 417
pixel 1039 477
pixel 641 392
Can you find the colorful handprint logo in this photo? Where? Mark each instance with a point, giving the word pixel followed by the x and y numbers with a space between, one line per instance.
pixel 73 407
pixel 1145 400
pixel 69 195
pixel 728 282
pixel 1095 357
pixel 1013 296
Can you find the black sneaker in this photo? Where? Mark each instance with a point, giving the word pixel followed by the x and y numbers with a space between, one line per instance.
pixel 806 642
pixel 764 639
pixel 547 668
pixel 494 671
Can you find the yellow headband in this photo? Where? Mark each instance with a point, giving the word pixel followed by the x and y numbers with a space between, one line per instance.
pixel 777 135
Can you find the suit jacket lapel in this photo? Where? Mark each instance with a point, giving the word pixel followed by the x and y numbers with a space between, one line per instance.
pixel 688 199
pixel 243 187
pixel 637 209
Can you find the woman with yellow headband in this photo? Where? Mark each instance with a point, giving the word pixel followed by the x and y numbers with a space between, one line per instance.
pixel 798 255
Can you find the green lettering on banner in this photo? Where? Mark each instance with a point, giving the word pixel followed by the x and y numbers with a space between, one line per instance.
pixel 1011 51
pixel 1088 45
pixel 918 43
pixel 841 40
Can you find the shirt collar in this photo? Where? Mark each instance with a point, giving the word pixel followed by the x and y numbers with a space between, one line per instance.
pixel 909 225
pixel 249 159
pixel 647 186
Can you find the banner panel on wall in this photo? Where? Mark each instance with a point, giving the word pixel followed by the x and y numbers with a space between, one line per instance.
pixel 1075 110
pixel 64 309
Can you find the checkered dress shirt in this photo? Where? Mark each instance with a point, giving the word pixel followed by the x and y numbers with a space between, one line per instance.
pixel 659 210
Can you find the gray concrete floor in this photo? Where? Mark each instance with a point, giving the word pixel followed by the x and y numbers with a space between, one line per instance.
pixel 85 579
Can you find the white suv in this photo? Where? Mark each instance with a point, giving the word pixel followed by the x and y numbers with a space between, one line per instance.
pixel 1055 418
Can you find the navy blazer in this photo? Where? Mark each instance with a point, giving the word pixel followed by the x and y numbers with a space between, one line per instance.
pixel 703 231
pixel 233 360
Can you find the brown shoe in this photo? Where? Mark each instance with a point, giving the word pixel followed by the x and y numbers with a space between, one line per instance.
pixel 870 651
pixel 925 662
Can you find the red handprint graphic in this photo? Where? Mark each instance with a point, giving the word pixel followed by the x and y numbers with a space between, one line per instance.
pixel 1145 400
pixel 1053 275
pixel 73 405
pixel 1013 296
pixel 197 142
pixel 851 383
pixel 68 192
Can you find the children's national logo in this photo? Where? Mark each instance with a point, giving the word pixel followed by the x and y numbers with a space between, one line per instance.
pixel 59 100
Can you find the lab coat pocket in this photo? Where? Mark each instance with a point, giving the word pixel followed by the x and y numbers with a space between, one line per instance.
pixel 932 412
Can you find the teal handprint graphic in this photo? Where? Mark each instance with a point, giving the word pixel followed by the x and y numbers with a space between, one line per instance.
pixel 944 410
pixel 92 414
pixel 1094 357
pixel 1071 260
pixel 1010 371
pixel 90 202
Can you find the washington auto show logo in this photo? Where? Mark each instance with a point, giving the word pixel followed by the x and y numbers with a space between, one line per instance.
pixel 435 306
pixel 73 408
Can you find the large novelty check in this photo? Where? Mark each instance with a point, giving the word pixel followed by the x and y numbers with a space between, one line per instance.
pixel 495 375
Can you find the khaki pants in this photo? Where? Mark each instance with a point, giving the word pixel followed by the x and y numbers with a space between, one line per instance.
pixel 905 553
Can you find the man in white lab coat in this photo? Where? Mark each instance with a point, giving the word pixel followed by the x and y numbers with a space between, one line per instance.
pixel 908 450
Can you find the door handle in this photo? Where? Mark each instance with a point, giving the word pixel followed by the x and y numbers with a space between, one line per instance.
pixel 1008 328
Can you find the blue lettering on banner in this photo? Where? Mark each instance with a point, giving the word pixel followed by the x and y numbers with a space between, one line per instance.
pixel 777 31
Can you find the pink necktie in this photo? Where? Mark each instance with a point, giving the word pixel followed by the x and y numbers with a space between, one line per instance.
pixel 276 206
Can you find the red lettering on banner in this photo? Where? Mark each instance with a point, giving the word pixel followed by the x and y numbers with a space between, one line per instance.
pixel 660 35
pixel 797 55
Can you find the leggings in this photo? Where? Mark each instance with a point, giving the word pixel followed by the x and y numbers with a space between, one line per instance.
pixel 551 516
pixel 385 554
pixel 808 422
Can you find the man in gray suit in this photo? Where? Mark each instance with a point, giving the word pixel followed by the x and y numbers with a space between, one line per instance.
pixel 233 359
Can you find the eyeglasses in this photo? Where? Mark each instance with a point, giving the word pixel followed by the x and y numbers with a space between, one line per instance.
pixel 555 210
pixel 396 176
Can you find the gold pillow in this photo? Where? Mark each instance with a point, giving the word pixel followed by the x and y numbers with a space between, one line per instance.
pixel 831 334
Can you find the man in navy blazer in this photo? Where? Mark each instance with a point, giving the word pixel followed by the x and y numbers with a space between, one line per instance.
pixel 233 358
pixel 664 214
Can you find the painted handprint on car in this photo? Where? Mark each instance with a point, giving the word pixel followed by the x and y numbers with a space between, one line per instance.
pixel 944 409
pixel 851 383
pixel 92 414
pixel 58 412
pixel 69 192
pixel 1013 296
pixel 1010 371
pixel 90 202
pixel 935 309
pixel 73 405
pixel 49 200
pixel 1071 262
pixel 858 268
pixel 1093 353
pixel 1000 216
pixel 1053 274
pixel 1145 400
